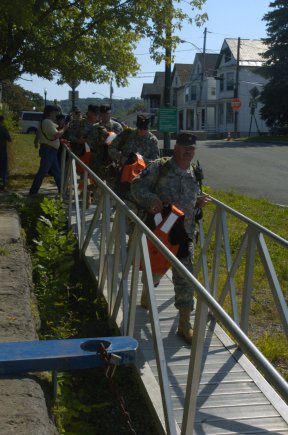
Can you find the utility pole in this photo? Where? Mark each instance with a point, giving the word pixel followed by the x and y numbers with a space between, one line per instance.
pixel 202 80
pixel 111 93
pixel 167 84
pixel 236 87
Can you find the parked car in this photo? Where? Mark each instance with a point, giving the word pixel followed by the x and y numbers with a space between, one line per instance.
pixel 29 121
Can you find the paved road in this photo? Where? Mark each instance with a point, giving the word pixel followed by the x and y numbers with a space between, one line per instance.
pixel 258 170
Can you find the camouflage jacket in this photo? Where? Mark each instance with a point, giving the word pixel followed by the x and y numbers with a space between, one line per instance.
pixel 113 126
pixel 147 146
pixel 171 185
pixel 78 129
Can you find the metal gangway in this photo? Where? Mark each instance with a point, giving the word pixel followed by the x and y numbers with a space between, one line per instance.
pixel 222 384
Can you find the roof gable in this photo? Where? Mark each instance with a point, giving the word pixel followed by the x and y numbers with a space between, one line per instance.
pixel 183 72
pixel 250 52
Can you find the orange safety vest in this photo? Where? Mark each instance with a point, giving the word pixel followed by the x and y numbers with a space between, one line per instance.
pixel 129 172
pixel 159 263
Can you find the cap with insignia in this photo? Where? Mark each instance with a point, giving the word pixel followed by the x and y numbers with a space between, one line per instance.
pixel 105 109
pixel 143 120
pixel 186 139
pixel 93 108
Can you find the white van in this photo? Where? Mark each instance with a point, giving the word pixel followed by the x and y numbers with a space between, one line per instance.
pixel 29 121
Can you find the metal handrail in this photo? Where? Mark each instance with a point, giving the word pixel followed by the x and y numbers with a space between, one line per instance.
pixel 139 244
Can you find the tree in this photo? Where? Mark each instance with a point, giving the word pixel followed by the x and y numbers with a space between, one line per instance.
pixel 275 92
pixel 81 39
pixel 19 99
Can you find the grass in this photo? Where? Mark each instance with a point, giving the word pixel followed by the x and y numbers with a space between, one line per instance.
pixel 266 138
pixel 23 161
pixel 4 252
pixel 264 317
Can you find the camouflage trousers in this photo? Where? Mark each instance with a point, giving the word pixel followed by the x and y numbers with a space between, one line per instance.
pixel 183 289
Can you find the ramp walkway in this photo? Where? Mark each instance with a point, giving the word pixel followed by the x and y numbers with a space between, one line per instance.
pixel 213 387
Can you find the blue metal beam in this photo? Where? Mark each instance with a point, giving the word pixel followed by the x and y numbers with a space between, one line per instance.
pixel 70 354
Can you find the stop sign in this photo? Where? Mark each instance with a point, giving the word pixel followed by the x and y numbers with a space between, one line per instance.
pixel 235 103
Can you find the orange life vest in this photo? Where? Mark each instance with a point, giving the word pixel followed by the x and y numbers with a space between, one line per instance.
pixel 130 171
pixel 159 264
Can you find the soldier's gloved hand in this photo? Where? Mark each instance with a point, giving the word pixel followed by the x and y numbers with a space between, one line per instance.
pixel 156 206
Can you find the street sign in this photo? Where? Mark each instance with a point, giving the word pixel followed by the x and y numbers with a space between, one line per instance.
pixel 235 103
pixel 254 92
pixel 75 96
pixel 74 84
pixel 167 119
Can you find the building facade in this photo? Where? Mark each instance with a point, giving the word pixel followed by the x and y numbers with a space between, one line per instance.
pixel 203 91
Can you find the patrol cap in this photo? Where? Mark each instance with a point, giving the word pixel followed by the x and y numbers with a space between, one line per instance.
pixel 49 109
pixel 76 109
pixel 142 121
pixel 105 109
pixel 186 139
pixel 93 108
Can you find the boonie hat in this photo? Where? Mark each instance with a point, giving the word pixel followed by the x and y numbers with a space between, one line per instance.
pixel 186 139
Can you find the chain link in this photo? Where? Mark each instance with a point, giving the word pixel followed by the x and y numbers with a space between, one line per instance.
pixel 112 361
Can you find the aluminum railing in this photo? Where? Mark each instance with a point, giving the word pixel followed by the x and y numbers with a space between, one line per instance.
pixel 119 260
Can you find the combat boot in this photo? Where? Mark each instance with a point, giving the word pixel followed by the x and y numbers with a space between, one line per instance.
pixel 184 327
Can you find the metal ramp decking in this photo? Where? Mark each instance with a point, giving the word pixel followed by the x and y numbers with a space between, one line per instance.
pixel 233 397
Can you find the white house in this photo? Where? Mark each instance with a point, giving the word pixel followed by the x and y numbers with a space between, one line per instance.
pixel 248 88
pixel 181 74
pixel 196 103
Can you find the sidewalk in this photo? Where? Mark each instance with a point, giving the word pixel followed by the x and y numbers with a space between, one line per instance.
pixel 23 407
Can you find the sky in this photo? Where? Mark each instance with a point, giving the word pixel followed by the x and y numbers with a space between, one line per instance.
pixel 227 19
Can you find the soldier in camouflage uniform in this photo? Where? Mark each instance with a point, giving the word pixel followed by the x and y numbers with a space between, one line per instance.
pixel 131 142
pixel 96 142
pixel 140 141
pixel 80 127
pixel 107 122
pixel 175 185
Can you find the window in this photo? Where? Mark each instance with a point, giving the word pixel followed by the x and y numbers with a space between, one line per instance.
pixel 213 91
pixel 221 113
pixel 154 102
pixel 193 92
pixel 221 82
pixel 227 55
pixel 229 114
pixel 176 81
pixel 186 94
pixel 230 81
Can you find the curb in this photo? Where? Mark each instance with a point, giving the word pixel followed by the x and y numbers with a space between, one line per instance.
pixel 23 408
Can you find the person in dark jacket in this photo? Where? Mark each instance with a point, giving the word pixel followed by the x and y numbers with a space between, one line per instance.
pixel 4 139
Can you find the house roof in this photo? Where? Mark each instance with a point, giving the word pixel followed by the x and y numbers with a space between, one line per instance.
pixel 210 62
pixel 151 89
pixel 183 70
pixel 250 51
pixel 155 88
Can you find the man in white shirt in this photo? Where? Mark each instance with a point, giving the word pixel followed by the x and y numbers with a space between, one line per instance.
pixel 49 137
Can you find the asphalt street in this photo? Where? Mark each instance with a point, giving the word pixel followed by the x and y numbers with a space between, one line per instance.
pixel 259 170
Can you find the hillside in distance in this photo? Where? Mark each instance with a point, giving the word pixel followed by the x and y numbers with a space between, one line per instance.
pixel 119 106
